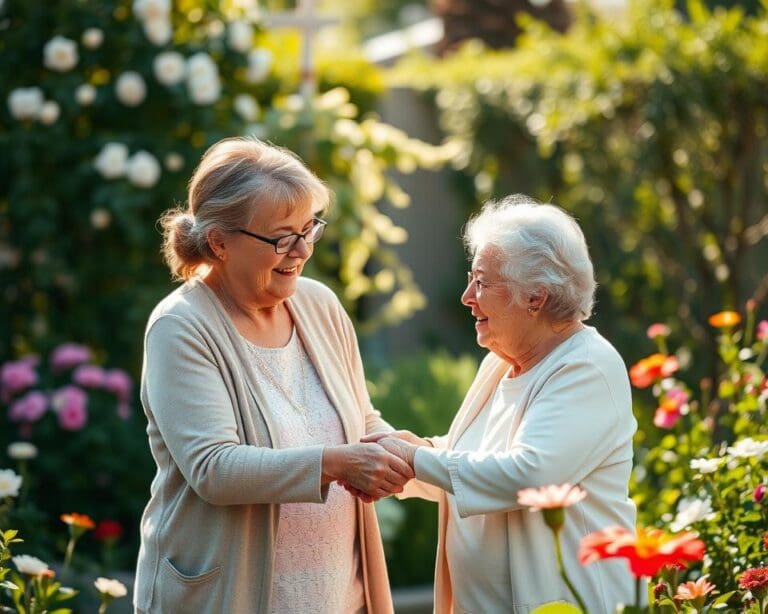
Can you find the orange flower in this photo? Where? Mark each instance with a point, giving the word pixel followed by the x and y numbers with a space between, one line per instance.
pixel 724 319
pixel 695 591
pixel 649 370
pixel 647 551
pixel 78 520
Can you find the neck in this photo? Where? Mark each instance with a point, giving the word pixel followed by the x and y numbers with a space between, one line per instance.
pixel 239 306
pixel 551 335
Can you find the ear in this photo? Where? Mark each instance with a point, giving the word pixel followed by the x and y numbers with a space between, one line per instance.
pixel 217 244
pixel 537 300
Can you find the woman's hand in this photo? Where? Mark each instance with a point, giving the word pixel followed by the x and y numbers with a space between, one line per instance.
pixel 400 448
pixel 366 467
pixel 404 435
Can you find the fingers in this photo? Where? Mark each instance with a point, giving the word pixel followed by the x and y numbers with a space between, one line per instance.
pixel 373 437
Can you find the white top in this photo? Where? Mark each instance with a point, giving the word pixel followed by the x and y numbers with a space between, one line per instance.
pixel 476 546
pixel 317 558
pixel 569 419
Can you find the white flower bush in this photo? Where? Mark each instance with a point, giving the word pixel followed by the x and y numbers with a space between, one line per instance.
pixel 259 64
pixel 10 483
pixel 26 102
pixel 111 588
pixel 85 94
pixel 92 38
pixel 111 161
pixel 247 107
pixel 203 81
pixel 143 169
pixel 240 36
pixel 169 68
pixel 60 54
pixel 22 450
pixel 131 88
pixel 49 112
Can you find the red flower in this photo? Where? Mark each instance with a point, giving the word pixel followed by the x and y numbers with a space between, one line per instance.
pixel 755 580
pixel 647 551
pixel 649 370
pixel 108 530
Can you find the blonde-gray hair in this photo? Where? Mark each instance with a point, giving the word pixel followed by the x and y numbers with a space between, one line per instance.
pixel 234 179
pixel 541 247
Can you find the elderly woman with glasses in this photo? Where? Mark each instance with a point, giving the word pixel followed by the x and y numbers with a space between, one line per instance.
pixel 550 405
pixel 254 392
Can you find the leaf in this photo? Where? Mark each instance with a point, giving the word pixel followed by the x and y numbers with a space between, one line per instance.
pixel 722 600
pixel 557 607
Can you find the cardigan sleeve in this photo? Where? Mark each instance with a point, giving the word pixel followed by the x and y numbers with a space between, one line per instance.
pixel 567 431
pixel 186 397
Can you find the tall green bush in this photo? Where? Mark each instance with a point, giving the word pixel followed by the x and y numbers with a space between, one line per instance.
pixel 651 129
pixel 106 108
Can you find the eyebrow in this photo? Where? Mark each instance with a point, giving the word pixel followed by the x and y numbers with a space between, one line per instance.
pixel 289 229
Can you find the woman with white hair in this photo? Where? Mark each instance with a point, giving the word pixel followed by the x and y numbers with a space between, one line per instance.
pixel 550 405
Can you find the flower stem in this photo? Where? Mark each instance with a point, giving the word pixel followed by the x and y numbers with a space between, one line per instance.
pixel 68 556
pixel 564 575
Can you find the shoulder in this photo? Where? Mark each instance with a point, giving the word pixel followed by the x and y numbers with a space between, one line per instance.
pixel 188 303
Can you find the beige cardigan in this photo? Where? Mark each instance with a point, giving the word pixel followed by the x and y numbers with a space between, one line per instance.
pixel 208 531
pixel 574 424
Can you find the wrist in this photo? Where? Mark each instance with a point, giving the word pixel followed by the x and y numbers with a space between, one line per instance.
pixel 332 463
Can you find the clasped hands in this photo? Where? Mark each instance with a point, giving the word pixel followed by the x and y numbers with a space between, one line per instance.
pixel 379 466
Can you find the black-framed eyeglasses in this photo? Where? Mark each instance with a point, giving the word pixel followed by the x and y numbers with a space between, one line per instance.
pixel 286 243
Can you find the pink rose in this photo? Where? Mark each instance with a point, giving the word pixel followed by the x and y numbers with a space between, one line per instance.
pixel 759 493
pixel 665 419
pixel 119 383
pixel 89 376
pixel 16 376
pixel 67 355
pixel 29 408
pixel 70 404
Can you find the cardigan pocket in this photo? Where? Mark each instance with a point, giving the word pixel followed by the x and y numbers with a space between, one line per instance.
pixel 179 592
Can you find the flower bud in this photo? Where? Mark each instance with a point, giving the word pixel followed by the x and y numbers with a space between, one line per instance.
pixel 759 493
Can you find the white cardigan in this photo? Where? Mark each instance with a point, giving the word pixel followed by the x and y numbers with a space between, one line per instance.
pixel 574 424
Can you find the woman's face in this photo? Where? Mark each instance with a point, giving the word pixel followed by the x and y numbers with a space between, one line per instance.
pixel 501 325
pixel 269 278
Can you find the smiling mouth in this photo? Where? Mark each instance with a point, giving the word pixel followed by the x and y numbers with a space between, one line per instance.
pixel 289 271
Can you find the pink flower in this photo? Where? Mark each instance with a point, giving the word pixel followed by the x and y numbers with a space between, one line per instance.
pixel 762 330
pixel 659 329
pixel 89 376
pixel 16 376
pixel 123 411
pixel 68 355
pixel 759 493
pixel 28 408
pixel 695 591
pixel 119 383
pixel 549 497
pixel 670 409
pixel 70 404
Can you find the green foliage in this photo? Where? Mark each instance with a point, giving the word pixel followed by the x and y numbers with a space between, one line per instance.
pixel 79 246
pixel 421 394
pixel 651 130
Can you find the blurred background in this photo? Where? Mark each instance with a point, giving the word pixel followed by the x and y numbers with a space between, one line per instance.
pixel 645 119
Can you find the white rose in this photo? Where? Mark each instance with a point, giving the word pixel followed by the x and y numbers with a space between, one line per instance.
pixel 113 588
pixel 60 54
pixel 22 450
pixel 131 89
pixel 92 38
pixel 240 36
pixel 169 67
pixel 50 112
pixel 158 30
pixel 151 9
pixel 246 107
pixel 747 448
pixel 101 219
pixel 85 94
pixel 29 565
pixel 112 160
pixel 25 102
pixel 690 511
pixel 706 465
pixel 203 82
pixel 259 65
pixel 9 483
pixel 174 162
pixel 143 169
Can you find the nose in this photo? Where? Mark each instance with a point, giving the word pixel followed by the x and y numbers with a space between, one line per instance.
pixel 301 249
pixel 468 297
